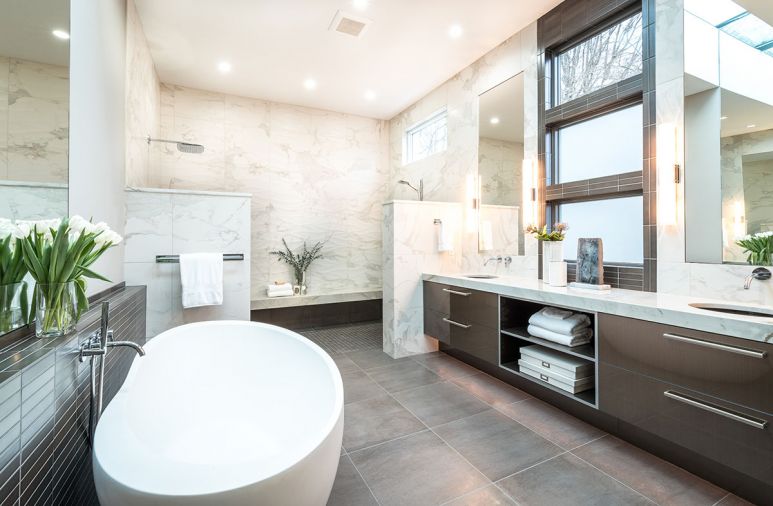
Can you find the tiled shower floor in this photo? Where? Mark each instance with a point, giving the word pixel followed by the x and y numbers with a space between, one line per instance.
pixel 432 430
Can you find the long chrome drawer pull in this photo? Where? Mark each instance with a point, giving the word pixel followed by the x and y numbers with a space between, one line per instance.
pixel 717 346
pixel 455 292
pixel 462 325
pixel 754 422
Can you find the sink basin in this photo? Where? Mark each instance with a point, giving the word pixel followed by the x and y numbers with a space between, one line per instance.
pixel 481 276
pixel 734 309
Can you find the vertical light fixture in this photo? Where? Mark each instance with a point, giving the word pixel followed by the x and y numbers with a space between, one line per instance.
pixel 473 201
pixel 739 219
pixel 530 192
pixel 669 173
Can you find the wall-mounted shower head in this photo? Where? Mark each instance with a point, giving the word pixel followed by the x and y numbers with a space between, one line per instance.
pixel 419 191
pixel 182 147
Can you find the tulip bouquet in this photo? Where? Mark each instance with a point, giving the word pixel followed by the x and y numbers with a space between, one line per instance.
pixel 758 247
pixel 14 303
pixel 58 255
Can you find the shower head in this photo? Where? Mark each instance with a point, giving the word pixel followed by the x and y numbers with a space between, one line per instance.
pixel 182 147
pixel 419 191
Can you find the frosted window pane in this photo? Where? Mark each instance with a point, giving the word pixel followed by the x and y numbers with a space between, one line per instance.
pixel 617 221
pixel 609 57
pixel 609 144
pixel 427 138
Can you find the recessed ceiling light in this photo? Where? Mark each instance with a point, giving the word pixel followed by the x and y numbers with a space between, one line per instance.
pixel 494 120
pixel 370 95
pixel 455 31
pixel 751 126
pixel 224 67
pixel 61 34
pixel 723 117
pixel 310 84
pixel 360 5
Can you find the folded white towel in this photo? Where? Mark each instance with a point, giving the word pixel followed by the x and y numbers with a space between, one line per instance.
pixel 445 238
pixel 201 275
pixel 554 312
pixel 576 340
pixel 281 293
pixel 279 288
pixel 568 326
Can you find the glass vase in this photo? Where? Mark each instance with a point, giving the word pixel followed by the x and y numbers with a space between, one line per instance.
pixel 56 309
pixel 14 307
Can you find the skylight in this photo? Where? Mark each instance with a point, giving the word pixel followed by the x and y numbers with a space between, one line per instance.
pixel 734 20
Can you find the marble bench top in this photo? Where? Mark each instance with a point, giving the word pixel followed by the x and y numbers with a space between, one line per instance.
pixel 657 307
pixel 312 299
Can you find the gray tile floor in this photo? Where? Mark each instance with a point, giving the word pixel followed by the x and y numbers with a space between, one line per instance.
pixel 432 430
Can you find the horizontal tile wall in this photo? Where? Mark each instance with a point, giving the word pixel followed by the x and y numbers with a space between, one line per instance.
pixel 45 456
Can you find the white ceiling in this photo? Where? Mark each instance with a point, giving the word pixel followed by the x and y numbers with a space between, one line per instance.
pixel 275 45
pixel 504 102
pixel 26 26
pixel 741 112
pixel 763 9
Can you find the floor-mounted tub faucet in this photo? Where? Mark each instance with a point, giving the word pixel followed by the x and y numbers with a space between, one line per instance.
pixel 760 273
pixel 96 345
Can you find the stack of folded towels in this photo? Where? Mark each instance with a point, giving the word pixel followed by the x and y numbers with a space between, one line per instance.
pixel 561 326
pixel 279 290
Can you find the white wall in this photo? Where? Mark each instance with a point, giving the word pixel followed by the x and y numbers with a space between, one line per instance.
pixel 97 133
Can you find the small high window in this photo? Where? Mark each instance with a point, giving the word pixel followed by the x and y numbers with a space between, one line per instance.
pixel 426 138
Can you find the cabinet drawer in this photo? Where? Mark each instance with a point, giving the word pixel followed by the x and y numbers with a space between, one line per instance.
pixel 736 370
pixel 711 427
pixel 436 297
pixel 473 306
pixel 477 340
pixel 435 325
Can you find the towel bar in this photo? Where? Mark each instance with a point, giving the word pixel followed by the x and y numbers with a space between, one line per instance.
pixel 175 259
pixel 437 221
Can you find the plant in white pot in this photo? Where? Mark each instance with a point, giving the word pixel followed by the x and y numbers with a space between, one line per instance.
pixel 552 244
pixel 14 303
pixel 58 255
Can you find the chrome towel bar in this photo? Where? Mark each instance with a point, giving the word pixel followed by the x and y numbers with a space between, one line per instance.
pixel 175 259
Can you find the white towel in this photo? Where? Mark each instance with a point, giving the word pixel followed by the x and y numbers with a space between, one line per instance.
pixel 281 293
pixel 554 312
pixel 445 238
pixel 273 288
pixel 583 337
pixel 201 275
pixel 568 326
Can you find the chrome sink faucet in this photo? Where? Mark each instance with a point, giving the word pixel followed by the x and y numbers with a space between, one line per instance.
pixel 760 273
pixel 497 259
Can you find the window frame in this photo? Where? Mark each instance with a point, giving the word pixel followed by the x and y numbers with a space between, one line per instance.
pixel 408 135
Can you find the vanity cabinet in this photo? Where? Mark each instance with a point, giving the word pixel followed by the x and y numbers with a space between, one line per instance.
pixel 463 319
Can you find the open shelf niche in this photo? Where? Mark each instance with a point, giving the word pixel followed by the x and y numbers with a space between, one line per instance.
pixel 514 321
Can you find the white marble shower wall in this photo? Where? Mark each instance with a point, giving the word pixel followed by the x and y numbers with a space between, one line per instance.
pixel 410 248
pixel 32 201
pixel 313 175
pixel 171 222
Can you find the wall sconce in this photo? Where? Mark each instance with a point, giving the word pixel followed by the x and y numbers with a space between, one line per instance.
pixel 530 193
pixel 739 219
pixel 669 174
pixel 472 201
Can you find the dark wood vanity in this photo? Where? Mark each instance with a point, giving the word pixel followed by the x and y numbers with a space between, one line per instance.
pixel 701 400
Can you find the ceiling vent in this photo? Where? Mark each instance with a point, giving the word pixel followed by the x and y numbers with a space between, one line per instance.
pixel 349 24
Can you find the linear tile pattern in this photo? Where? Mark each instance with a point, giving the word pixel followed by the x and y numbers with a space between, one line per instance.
pixel 630 278
pixel 344 338
pixel 596 187
pixel 464 437
pixel 45 456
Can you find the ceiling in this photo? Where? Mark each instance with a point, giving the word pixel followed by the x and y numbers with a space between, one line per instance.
pixel 741 112
pixel 275 45
pixel 763 9
pixel 26 26
pixel 505 103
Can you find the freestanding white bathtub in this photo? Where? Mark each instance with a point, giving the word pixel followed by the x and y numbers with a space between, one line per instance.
pixel 222 413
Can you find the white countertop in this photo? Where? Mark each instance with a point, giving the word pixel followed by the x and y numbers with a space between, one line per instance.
pixel 315 298
pixel 656 307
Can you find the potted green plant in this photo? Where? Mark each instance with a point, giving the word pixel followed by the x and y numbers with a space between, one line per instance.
pixel 552 243
pixel 758 248
pixel 14 302
pixel 58 255
pixel 299 262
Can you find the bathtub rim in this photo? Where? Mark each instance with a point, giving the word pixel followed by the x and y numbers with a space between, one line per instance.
pixel 337 413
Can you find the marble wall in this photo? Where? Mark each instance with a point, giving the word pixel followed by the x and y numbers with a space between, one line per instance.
pixel 143 101
pixel 500 170
pixel 34 121
pixel 171 222
pixel 314 176
pixel 32 201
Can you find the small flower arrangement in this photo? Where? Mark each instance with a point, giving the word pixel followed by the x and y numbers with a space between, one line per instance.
pixel 13 288
pixel 541 234
pixel 299 262
pixel 759 248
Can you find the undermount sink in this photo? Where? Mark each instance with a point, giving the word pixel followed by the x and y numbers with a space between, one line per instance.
pixel 481 276
pixel 734 309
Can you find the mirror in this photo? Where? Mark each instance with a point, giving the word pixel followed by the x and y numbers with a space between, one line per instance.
pixel 34 115
pixel 500 162
pixel 728 131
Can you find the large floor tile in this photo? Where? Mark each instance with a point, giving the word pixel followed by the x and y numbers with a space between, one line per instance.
pixel 552 423
pixel 652 477
pixel 344 363
pixel 568 481
pixel 440 403
pixel 490 389
pixel 734 500
pixel 486 496
pixel 403 376
pixel 349 488
pixel 368 359
pixel 376 420
pixel 416 470
pixel 495 444
pixel 358 386
pixel 445 366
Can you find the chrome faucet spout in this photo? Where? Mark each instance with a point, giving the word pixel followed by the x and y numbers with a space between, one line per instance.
pixel 130 344
pixel 760 273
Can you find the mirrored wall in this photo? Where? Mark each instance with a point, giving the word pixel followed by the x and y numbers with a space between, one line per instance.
pixel 500 166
